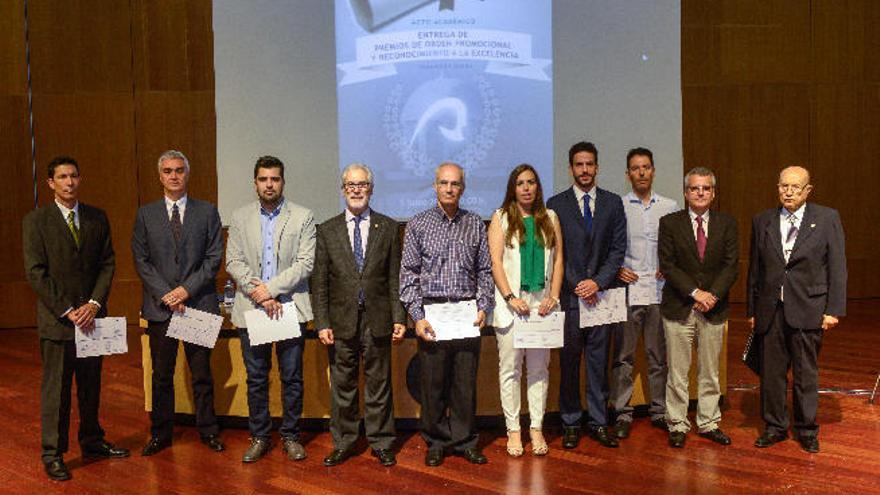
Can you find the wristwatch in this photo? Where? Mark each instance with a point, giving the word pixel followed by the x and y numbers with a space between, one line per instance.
pixel 508 297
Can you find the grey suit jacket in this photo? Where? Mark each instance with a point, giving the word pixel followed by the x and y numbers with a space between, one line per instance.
pixel 162 266
pixel 62 275
pixel 336 281
pixel 294 248
pixel 684 272
pixel 814 279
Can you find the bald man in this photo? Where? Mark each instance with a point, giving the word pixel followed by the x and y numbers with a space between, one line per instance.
pixel 796 293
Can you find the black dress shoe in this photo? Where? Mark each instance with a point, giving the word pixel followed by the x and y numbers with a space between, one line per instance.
pixel 621 429
pixel 336 457
pixel 570 437
pixel 385 456
pixel 213 442
pixel 56 470
pixel 660 423
pixel 716 436
pixel 258 448
pixel 676 439
pixel 767 439
pixel 809 444
pixel 474 456
pixel 154 446
pixel 606 438
pixel 104 450
pixel 434 457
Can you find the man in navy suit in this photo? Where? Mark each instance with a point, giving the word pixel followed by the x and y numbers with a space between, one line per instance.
pixel 796 293
pixel 594 233
pixel 177 246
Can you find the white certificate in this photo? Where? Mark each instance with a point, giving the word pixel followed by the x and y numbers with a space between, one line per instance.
pixel 646 290
pixel 538 332
pixel 196 327
pixel 610 307
pixel 263 330
pixel 454 320
pixel 107 337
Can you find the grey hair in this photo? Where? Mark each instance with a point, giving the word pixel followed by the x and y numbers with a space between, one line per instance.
pixel 356 166
pixel 173 155
pixel 449 164
pixel 701 172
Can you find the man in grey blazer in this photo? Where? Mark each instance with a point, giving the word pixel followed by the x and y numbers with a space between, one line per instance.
pixel 69 262
pixel 177 245
pixel 796 292
pixel 358 313
pixel 270 253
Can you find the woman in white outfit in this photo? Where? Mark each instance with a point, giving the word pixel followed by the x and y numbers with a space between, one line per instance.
pixel 525 242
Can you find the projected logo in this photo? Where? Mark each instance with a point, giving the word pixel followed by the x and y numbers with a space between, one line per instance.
pixel 442 119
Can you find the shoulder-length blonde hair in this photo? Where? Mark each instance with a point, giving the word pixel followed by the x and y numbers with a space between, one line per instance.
pixel 515 226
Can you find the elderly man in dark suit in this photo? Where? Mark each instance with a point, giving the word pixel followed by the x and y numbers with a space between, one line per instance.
pixel 358 313
pixel 177 246
pixel 69 262
pixel 796 292
pixel 594 232
pixel 698 254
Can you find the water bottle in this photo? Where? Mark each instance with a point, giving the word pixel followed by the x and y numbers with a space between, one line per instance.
pixel 228 293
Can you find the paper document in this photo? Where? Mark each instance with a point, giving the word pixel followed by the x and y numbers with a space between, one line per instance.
pixel 196 327
pixel 263 330
pixel 454 320
pixel 609 308
pixel 538 332
pixel 645 291
pixel 108 337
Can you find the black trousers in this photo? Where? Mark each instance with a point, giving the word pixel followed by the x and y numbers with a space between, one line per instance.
pixel 784 347
pixel 163 353
pixel 448 380
pixel 345 357
pixel 60 365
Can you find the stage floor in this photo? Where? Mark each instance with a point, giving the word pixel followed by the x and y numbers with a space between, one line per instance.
pixel 849 461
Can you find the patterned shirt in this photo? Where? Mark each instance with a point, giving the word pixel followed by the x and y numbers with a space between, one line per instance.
pixel 445 258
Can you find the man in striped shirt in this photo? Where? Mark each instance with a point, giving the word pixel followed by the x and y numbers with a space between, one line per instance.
pixel 446 260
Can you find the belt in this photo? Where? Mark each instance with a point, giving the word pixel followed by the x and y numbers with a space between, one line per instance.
pixel 443 300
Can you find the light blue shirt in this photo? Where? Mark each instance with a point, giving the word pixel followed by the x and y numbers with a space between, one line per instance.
pixel 268 221
pixel 364 226
pixel 642 225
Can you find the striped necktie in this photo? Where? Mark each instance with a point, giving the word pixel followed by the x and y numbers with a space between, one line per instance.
pixel 71 224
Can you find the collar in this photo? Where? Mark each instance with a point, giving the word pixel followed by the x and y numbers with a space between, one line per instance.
pixel 365 215
pixel 631 197
pixel 442 214
pixel 274 213
pixel 693 216
pixel 66 211
pixel 579 193
pixel 169 203
pixel 797 214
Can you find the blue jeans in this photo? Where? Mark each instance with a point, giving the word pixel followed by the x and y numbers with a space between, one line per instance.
pixel 258 362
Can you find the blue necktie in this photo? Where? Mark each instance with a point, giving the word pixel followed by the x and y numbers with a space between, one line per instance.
pixel 358 248
pixel 588 215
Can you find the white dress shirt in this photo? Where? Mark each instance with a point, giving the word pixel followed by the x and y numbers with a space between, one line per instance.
pixel 181 206
pixel 365 229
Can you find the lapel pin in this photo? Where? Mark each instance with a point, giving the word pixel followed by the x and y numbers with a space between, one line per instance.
pixel 812 225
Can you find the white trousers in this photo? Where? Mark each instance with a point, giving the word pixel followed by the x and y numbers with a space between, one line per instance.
pixel 510 364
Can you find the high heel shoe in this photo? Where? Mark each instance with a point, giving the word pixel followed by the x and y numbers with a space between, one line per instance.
pixel 539 444
pixel 514 448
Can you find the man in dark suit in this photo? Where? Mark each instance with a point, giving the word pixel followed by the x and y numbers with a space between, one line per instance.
pixel 698 255
pixel 69 262
pixel 177 246
pixel 594 233
pixel 796 291
pixel 358 312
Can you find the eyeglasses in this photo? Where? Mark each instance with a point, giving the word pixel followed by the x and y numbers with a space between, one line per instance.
pixel 794 188
pixel 696 189
pixel 354 186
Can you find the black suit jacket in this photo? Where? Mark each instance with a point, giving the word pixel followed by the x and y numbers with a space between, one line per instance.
pixel 597 257
pixel 814 279
pixel 683 270
pixel 335 281
pixel 62 275
pixel 193 265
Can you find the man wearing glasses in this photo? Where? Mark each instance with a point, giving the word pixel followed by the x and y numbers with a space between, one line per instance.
pixel 446 260
pixel 698 255
pixel 796 292
pixel 358 314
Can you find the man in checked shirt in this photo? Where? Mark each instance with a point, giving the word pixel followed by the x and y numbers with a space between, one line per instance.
pixel 446 259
